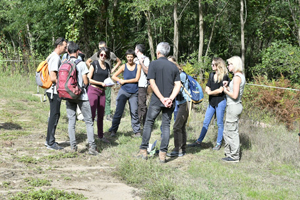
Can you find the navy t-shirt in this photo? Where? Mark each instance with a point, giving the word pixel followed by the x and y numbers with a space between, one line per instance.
pixel 165 73
pixel 131 88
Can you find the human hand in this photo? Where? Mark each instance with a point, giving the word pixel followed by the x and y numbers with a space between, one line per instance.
pixel 225 83
pixel 121 81
pixel 141 60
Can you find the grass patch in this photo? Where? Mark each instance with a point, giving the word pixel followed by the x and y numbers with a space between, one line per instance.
pixel 52 194
pixel 36 182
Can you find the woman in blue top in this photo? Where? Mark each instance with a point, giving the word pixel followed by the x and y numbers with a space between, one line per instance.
pixel 217 101
pixel 128 92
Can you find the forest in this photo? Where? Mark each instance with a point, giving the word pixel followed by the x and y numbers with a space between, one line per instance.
pixel 265 33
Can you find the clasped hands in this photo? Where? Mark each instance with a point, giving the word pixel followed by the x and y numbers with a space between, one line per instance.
pixel 167 102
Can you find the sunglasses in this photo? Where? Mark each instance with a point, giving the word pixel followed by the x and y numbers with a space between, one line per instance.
pixel 103 55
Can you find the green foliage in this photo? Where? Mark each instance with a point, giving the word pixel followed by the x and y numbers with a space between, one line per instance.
pixel 36 182
pixel 280 59
pixel 52 194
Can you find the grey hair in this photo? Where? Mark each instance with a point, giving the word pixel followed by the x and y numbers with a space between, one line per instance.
pixel 163 48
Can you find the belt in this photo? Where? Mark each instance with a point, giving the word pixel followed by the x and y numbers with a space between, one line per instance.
pixel 98 87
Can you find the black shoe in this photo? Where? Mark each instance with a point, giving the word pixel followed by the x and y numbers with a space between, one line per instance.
pixel 229 159
pixel 195 144
pixel 176 153
pixel 113 134
pixel 137 135
pixel 108 118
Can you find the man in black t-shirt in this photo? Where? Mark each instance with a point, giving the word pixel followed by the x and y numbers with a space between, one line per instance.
pixel 164 79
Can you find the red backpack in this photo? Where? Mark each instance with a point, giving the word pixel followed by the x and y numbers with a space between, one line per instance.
pixel 67 84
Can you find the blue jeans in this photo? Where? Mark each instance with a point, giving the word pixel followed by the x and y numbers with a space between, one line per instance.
pixel 152 113
pixel 219 110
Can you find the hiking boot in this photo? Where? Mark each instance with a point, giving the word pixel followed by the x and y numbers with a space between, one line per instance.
pixel 104 140
pixel 162 157
pixel 54 146
pixel 108 118
pixel 93 150
pixel 113 134
pixel 137 135
pixel 195 144
pixel 217 147
pixel 143 154
pixel 229 159
pixel 175 153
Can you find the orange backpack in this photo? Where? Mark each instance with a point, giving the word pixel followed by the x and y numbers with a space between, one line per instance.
pixel 42 75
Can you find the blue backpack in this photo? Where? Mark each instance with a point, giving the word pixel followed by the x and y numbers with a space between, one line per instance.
pixel 195 90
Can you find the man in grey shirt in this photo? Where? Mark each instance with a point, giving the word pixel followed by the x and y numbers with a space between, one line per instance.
pixel 112 58
pixel 82 102
pixel 53 64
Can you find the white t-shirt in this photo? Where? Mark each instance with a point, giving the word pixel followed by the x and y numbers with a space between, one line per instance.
pixel 54 63
pixel 143 78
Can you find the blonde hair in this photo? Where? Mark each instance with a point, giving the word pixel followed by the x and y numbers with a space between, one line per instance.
pixel 221 69
pixel 237 63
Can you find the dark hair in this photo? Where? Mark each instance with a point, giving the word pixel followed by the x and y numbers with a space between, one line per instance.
pixel 141 48
pixel 106 50
pixel 73 47
pixel 59 41
pixel 102 42
pixel 130 52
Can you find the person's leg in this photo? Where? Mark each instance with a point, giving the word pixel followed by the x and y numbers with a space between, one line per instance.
pixel 184 134
pixel 142 109
pixel 121 102
pixel 71 112
pixel 220 110
pixel 55 103
pixel 178 126
pixel 152 113
pixel 93 95
pixel 87 114
pixel 166 119
pixel 133 107
pixel 107 103
pixel 210 111
pixel 100 113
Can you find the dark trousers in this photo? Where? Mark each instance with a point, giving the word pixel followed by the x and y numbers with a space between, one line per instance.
pixel 179 127
pixel 152 113
pixel 54 117
pixel 142 100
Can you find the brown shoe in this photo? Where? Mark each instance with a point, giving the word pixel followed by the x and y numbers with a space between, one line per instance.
pixel 143 154
pixel 162 156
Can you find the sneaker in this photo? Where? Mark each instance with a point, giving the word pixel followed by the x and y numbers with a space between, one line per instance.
pixel 195 144
pixel 113 134
pixel 176 153
pixel 93 151
pixel 54 146
pixel 104 140
pixel 137 135
pixel 108 118
pixel 46 144
pixel 229 159
pixel 217 147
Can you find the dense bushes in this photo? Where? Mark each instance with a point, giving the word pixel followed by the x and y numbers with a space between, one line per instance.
pixel 284 104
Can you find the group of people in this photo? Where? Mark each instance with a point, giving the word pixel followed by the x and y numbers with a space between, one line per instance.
pixel 169 88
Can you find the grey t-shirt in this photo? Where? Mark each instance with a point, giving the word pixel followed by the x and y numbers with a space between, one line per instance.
pixel 53 64
pixel 82 70
pixel 113 57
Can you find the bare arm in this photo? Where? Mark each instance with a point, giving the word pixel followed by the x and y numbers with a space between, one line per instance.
pixel 214 92
pixel 85 79
pixel 115 76
pixel 236 88
pixel 144 67
pixel 176 90
pixel 53 76
pixel 119 62
pixel 88 62
pixel 156 90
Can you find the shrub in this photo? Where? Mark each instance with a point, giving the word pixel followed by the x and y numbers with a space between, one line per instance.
pixel 283 103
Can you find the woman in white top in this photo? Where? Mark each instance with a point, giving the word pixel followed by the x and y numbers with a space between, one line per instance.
pixel 234 108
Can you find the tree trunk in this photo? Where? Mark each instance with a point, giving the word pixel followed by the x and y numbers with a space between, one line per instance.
pixel 150 39
pixel 298 25
pixel 30 40
pixel 176 33
pixel 201 30
pixel 242 33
